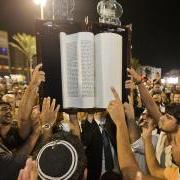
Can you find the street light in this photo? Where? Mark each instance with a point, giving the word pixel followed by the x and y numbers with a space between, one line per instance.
pixel 42 3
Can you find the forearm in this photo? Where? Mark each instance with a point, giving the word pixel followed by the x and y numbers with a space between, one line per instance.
pixel 149 102
pixel 25 110
pixel 46 135
pixel 28 147
pixel 134 131
pixel 125 154
pixel 152 163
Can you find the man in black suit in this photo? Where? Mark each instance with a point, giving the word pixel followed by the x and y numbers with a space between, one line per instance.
pixel 99 139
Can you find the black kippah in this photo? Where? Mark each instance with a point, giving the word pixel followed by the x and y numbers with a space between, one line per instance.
pixel 57 160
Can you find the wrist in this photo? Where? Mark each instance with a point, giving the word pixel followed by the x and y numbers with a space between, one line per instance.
pixel 147 138
pixel 118 125
pixel 46 126
pixel 32 85
pixel 138 82
pixel 35 134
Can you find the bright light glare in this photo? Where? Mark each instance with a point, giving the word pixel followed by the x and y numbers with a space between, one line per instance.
pixel 40 2
pixel 172 80
pixel 163 81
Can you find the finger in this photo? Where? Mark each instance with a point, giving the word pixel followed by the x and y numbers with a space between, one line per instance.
pixel 44 104
pixel 130 100
pixel 38 67
pixel 115 94
pixel 129 82
pixel 146 120
pixel 41 77
pixel 112 102
pixel 109 110
pixel 57 108
pixel 128 87
pixel 128 69
pixel 41 72
pixel 29 163
pixel 20 177
pixel 52 106
pixel 142 124
pixel 33 175
pixel 126 104
pixel 26 174
pixel 138 176
pixel 48 103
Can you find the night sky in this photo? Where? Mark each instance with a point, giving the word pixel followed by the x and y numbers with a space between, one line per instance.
pixel 156 27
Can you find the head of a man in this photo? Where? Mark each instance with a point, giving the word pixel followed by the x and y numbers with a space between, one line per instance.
pixel 5 119
pixel 62 158
pixel 82 116
pixel 157 88
pixel 145 118
pixel 170 121
pixel 100 115
pixel 157 98
pixel 9 135
pixel 176 98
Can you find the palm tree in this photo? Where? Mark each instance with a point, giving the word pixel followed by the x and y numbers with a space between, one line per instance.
pixel 26 44
pixel 135 64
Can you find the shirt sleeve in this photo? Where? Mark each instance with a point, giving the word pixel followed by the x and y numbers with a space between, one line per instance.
pixel 137 146
pixel 10 165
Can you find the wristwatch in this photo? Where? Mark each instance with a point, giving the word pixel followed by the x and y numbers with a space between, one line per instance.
pixel 46 126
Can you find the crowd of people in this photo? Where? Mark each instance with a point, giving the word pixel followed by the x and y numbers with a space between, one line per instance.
pixel 135 140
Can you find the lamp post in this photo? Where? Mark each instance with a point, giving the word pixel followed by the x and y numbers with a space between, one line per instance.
pixel 42 3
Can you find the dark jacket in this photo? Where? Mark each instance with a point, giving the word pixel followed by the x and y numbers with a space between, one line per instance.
pixel 92 140
pixel 10 164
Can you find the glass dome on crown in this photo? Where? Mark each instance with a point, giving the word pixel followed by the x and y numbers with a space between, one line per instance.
pixel 109 11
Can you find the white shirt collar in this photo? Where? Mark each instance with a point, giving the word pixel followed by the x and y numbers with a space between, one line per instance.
pixel 100 122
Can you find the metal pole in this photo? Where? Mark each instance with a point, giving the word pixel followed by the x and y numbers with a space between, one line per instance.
pixel 53 10
pixel 42 11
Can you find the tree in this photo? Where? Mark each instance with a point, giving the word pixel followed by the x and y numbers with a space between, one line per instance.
pixel 135 64
pixel 26 44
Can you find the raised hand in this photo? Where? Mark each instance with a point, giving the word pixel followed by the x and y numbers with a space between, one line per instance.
pixel 28 101
pixel 132 73
pixel 129 109
pixel 129 84
pixel 115 108
pixel 29 172
pixel 147 127
pixel 38 76
pixel 49 111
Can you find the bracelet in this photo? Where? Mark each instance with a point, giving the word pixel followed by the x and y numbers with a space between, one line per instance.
pixel 46 126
